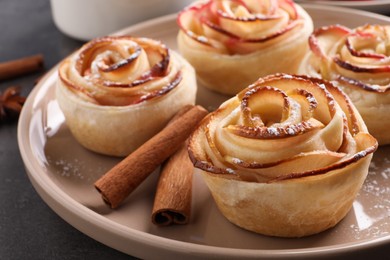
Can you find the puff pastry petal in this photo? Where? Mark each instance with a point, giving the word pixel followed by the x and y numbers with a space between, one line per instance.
pixel 117 92
pixel 284 157
pixel 233 43
pixel 358 61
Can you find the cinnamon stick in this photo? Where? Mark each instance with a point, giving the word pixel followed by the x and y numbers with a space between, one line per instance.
pixel 128 174
pixel 172 202
pixel 22 66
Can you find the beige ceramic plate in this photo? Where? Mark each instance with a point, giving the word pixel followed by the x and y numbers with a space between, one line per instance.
pixel 378 6
pixel 63 174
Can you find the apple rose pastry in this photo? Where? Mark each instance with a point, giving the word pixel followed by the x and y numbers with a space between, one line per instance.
pixel 231 43
pixel 358 61
pixel 117 92
pixel 284 157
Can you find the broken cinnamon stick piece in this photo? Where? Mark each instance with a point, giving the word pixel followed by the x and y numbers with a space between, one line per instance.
pixel 128 174
pixel 22 66
pixel 172 202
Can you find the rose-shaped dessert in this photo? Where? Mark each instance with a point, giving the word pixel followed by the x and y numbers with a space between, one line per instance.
pixel 358 61
pixel 284 157
pixel 231 43
pixel 117 92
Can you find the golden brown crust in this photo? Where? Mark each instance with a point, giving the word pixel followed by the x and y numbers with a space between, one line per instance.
pixel 357 61
pixel 291 181
pixel 104 102
pixel 228 59
pixel 295 208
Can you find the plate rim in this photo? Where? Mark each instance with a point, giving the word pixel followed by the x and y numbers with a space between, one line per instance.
pixel 366 3
pixel 46 187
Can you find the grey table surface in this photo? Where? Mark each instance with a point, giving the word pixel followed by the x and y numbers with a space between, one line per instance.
pixel 29 229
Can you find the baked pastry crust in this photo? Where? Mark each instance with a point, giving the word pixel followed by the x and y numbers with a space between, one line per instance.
pixel 358 61
pixel 117 92
pixel 233 43
pixel 284 157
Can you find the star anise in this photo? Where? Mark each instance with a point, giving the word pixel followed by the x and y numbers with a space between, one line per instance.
pixel 11 103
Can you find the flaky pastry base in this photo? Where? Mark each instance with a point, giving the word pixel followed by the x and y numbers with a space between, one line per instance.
pixel 119 130
pixel 281 168
pixel 374 109
pixel 229 74
pixel 354 61
pixel 293 208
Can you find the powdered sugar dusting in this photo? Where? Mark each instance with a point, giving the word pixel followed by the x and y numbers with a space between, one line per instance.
pixel 75 169
pixel 273 131
pixel 68 169
pixel 236 160
pixel 290 131
pixel 230 170
pixel 372 206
